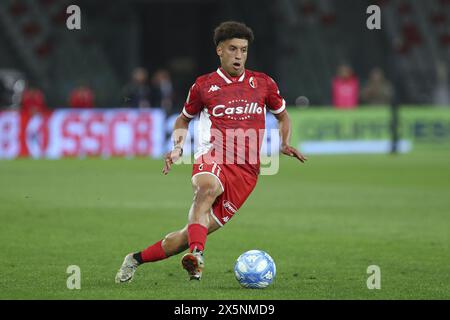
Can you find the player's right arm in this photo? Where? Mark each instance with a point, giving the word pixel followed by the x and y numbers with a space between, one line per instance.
pixel 192 106
pixel 178 137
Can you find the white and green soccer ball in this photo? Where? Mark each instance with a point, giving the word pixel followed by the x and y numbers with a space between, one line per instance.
pixel 255 269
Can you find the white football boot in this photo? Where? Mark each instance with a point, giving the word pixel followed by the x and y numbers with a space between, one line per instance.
pixel 127 270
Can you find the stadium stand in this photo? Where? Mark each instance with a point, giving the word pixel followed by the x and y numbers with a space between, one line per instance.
pixel 51 58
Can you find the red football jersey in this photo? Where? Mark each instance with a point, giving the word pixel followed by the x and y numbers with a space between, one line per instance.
pixel 232 114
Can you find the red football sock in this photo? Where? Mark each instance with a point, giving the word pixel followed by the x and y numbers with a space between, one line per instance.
pixel 197 236
pixel 153 253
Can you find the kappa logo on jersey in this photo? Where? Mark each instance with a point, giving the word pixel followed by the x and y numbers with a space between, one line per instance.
pixel 252 108
pixel 229 207
pixel 213 88
pixel 253 83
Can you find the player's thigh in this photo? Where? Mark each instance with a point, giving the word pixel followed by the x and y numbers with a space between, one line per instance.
pixel 206 183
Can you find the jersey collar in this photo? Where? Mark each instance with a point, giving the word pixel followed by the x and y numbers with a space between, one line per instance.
pixel 227 79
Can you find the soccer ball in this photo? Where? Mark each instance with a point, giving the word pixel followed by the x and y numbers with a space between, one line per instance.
pixel 255 269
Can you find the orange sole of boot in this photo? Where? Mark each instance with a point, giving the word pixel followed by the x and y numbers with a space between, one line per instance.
pixel 190 264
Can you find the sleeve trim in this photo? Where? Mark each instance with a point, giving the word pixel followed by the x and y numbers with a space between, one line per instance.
pixel 279 110
pixel 187 114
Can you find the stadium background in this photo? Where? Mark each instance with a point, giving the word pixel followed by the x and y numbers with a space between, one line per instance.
pixel 333 217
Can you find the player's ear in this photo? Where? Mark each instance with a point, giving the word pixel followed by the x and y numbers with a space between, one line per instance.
pixel 219 50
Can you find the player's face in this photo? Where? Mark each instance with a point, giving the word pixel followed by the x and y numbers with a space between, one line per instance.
pixel 233 55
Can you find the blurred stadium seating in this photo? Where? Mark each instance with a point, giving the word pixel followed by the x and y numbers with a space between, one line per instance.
pixel 50 56
pixel 298 42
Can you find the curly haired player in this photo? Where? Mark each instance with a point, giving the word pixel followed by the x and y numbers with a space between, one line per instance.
pixel 231 104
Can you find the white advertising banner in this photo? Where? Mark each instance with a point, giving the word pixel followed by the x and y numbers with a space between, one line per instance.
pixel 80 133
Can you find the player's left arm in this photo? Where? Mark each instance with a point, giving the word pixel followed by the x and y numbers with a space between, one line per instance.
pixel 277 106
pixel 285 127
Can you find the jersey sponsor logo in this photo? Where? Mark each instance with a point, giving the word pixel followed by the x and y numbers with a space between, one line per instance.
pixel 221 110
pixel 253 83
pixel 213 88
pixel 229 207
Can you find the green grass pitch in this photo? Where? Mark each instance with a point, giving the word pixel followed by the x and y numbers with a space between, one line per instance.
pixel 323 222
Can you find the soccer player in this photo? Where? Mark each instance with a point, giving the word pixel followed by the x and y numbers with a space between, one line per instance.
pixel 231 103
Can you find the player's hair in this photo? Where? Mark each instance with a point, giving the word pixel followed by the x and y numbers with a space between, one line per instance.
pixel 232 29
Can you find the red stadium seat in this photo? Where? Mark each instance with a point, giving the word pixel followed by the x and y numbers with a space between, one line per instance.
pixel 328 19
pixel 60 17
pixel 411 34
pixel 438 18
pixel 18 8
pixel 444 39
pixel 44 49
pixel 31 29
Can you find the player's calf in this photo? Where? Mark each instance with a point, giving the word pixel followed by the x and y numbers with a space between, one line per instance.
pixel 175 242
pixel 206 189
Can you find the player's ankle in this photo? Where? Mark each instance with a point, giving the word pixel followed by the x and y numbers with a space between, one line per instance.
pixel 196 249
pixel 137 256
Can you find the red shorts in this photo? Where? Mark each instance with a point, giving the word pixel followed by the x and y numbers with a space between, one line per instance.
pixel 236 183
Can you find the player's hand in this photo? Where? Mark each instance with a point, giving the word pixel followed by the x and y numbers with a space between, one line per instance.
pixel 292 152
pixel 170 158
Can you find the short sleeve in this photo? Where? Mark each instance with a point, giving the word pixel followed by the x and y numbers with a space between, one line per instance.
pixel 274 102
pixel 193 104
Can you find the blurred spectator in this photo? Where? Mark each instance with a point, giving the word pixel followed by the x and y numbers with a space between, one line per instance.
pixel 137 93
pixel 81 97
pixel 378 90
pixel 162 90
pixel 345 88
pixel 4 101
pixel 12 85
pixel 33 102
pixel 441 94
